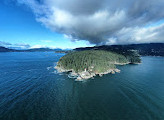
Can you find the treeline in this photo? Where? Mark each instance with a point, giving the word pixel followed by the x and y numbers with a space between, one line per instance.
pixel 146 49
pixel 96 60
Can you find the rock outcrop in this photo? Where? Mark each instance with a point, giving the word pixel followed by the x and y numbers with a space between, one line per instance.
pixel 84 75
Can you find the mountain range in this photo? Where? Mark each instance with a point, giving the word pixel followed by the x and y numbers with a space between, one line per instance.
pixel 4 49
pixel 147 49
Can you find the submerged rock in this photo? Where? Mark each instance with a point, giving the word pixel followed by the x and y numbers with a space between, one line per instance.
pixel 113 72
pixel 79 78
pixel 117 70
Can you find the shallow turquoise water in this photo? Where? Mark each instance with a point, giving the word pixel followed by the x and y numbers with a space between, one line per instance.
pixel 30 89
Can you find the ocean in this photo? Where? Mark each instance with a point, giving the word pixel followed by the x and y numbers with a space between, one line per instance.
pixel 31 89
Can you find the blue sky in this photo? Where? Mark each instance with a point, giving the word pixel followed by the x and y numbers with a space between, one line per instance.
pixel 18 25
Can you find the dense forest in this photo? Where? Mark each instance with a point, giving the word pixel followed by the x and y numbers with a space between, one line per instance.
pixel 96 60
pixel 145 49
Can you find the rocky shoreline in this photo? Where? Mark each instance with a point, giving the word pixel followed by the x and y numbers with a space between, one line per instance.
pixel 84 75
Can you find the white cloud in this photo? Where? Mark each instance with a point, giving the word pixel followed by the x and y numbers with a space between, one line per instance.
pixel 38 46
pixel 46 41
pixel 138 35
pixel 21 46
pixel 15 46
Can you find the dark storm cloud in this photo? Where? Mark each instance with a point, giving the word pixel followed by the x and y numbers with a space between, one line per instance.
pixel 102 22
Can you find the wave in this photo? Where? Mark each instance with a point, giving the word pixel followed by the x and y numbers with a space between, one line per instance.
pixel 48 68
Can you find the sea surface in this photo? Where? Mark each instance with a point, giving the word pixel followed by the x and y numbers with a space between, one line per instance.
pixel 31 89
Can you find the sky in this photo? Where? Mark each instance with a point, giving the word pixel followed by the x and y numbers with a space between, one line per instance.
pixel 19 29
pixel 80 23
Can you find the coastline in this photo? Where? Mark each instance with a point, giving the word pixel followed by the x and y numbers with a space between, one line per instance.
pixel 90 63
pixel 84 75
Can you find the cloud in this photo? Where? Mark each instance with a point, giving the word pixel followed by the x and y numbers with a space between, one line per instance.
pixel 21 46
pixel 15 46
pixel 38 46
pixel 138 35
pixel 101 22
pixel 44 46
pixel 2 43
pixel 46 41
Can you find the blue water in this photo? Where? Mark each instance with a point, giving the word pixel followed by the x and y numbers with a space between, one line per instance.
pixel 30 89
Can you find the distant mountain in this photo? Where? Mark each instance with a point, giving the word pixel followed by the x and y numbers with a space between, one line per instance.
pixel 147 49
pixel 41 50
pixel 3 49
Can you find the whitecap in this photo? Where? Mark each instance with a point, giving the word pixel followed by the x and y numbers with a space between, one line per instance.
pixel 72 76
pixel 48 68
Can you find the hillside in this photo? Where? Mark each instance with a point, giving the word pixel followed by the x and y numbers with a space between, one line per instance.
pixel 151 49
pixel 88 63
pixel 147 49
pixel 3 49
pixel 41 50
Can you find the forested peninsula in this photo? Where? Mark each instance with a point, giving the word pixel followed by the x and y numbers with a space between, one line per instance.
pixel 89 63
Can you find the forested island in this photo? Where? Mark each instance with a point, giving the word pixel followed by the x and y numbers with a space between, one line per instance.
pixel 89 63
